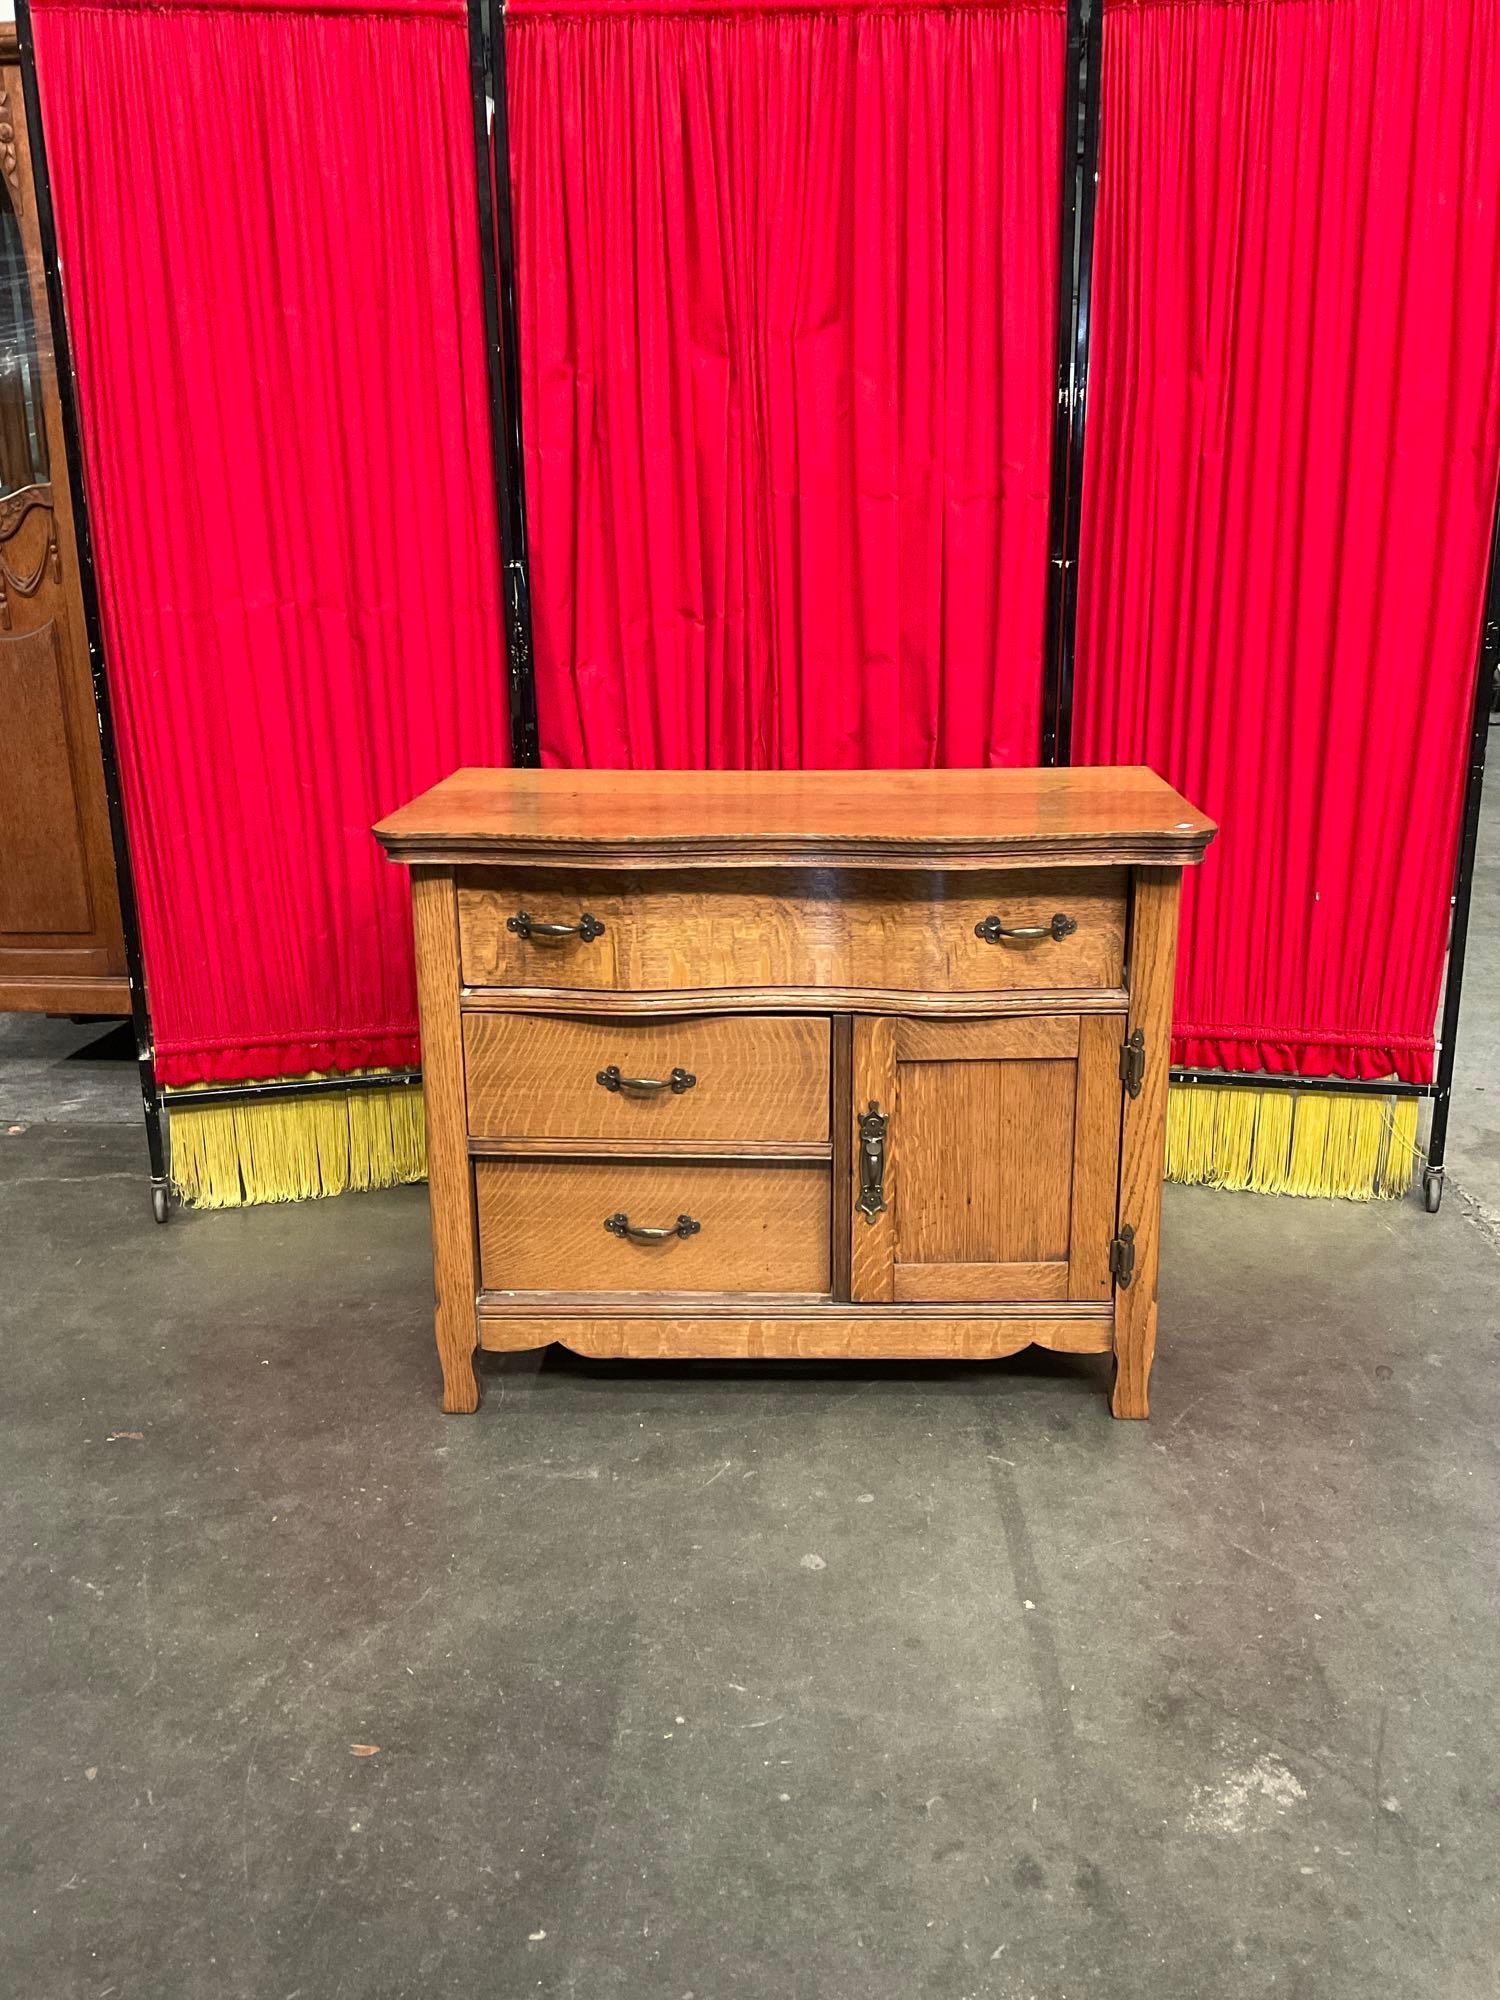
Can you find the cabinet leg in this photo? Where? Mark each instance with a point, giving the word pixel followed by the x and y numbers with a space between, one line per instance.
pixel 460 1383
pixel 1135 1345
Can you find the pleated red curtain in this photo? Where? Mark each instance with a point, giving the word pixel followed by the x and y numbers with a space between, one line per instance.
pixel 270 251
pixel 788 292
pixel 1293 437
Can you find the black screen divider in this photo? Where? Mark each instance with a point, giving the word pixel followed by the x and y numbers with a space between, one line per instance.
pixel 502 366
pixel 1440 1090
pixel 502 356
pixel 1078 191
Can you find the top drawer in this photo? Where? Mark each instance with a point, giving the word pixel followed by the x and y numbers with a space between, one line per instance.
pixel 884 931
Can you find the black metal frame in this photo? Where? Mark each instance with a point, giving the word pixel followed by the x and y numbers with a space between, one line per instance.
pixel 288 1086
pixel 67 392
pixel 1338 1086
pixel 1079 183
pixel 497 252
pixel 1486 667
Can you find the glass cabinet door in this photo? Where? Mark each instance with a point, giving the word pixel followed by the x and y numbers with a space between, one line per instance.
pixel 23 428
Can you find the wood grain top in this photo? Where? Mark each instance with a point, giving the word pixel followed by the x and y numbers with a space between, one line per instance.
pixel 619 819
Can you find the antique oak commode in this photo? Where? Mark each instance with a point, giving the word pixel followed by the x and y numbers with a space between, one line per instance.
pixel 796 1064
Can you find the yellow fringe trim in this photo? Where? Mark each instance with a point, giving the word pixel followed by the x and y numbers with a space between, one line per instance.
pixel 292 1148
pixel 1292 1142
pixel 1266 1141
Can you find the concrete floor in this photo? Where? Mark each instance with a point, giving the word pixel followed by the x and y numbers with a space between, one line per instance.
pixel 762 1683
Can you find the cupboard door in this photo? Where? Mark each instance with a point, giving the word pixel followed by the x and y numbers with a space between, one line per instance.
pixel 998 1161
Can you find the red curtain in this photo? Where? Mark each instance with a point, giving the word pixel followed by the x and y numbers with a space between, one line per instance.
pixel 267 224
pixel 1293 435
pixel 788 292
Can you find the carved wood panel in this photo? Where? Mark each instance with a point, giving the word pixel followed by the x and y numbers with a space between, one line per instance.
pixel 43 883
pixel 60 942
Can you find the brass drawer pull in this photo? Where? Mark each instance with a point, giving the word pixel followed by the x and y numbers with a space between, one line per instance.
pixel 526 926
pixel 621 1225
pixel 679 1081
pixel 992 930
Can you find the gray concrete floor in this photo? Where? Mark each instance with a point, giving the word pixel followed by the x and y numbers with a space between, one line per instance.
pixel 771 1683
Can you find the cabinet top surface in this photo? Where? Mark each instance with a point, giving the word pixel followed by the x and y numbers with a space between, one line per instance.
pixel 796 818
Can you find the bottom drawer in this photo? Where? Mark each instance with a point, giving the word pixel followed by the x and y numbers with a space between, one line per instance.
pixel 760 1227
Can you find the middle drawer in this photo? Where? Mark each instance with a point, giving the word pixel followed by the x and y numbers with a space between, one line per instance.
pixel 721 1077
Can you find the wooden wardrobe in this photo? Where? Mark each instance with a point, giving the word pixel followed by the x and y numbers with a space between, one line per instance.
pixel 61 946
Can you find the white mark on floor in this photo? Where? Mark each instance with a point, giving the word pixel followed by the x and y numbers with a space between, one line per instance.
pixel 813 1562
pixel 1256 1792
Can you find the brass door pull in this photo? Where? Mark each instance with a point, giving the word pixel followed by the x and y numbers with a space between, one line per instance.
pixel 872 1126
pixel 679 1081
pixel 621 1225
pixel 526 926
pixel 992 930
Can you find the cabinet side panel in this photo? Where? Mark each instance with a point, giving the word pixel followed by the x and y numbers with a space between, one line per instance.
pixel 455 1261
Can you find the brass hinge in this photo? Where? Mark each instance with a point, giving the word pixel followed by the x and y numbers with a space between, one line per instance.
pixel 1122 1256
pixel 1133 1063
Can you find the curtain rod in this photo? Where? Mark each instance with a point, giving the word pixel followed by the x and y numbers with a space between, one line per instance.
pixel 351 10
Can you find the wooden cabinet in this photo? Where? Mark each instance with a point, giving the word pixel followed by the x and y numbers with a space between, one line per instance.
pixel 61 948
pixel 814 1064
